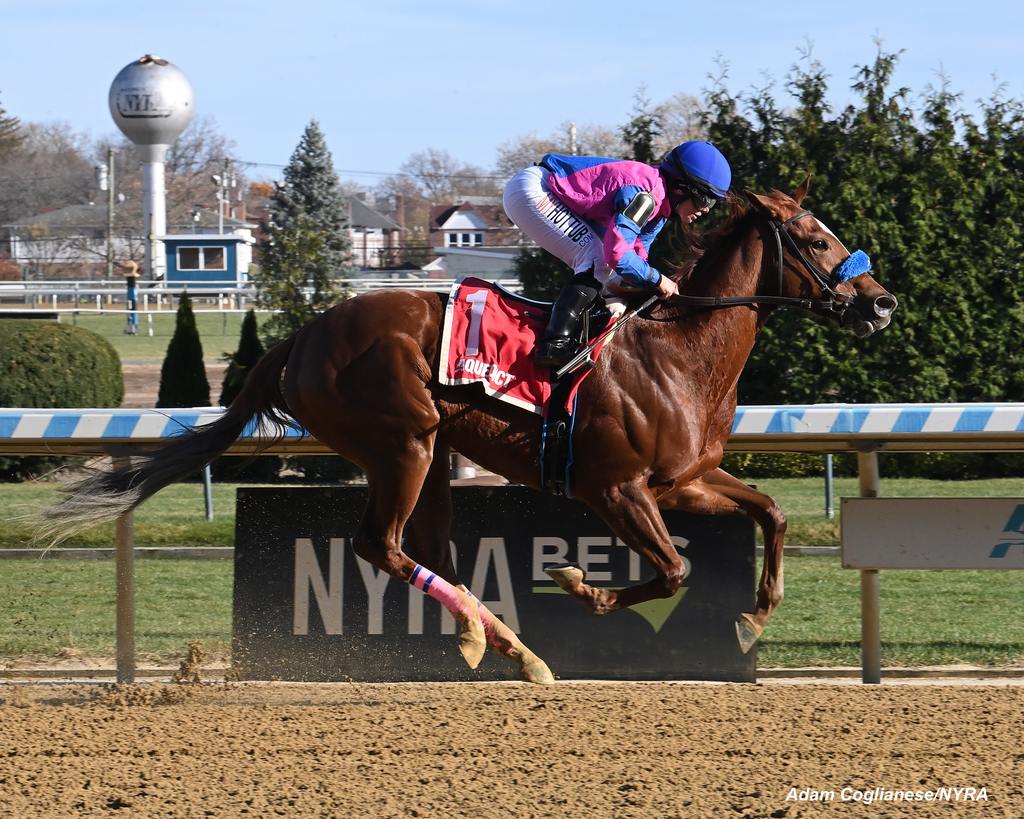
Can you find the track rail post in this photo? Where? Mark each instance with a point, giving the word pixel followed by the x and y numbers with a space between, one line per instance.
pixel 870 596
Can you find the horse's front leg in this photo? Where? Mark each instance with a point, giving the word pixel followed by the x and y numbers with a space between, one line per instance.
pixel 719 493
pixel 631 512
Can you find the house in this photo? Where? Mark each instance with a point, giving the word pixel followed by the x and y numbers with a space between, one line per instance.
pixel 376 238
pixel 473 236
pixel 71 242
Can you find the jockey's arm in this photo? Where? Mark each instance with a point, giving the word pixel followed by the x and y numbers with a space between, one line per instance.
pixel 633 207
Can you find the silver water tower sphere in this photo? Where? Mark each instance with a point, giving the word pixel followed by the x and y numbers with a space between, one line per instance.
pixel 151 102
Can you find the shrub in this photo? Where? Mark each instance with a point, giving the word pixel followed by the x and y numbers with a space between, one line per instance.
pixel 183 374
pixel 44 364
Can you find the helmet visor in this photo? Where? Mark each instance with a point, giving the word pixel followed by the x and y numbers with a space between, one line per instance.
pixel 702 199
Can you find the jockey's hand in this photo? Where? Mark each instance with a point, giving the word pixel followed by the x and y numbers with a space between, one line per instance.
pixel 666 288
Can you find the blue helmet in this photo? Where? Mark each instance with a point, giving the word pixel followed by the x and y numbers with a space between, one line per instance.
pixel 699 167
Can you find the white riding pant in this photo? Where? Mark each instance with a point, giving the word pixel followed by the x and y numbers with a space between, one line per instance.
pixel 542 217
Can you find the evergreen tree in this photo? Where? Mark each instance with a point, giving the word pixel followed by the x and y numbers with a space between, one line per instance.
pixel 183 376
pixel 285 282
pixel 307 246
pixel 541 274
pixel 10 132
pixel 261 469
pixel 250 350
pixel 643 130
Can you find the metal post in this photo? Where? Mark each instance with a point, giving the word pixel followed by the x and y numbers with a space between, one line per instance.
pixel 870 602
pixel 208 491
pixel 125 571
pixel 110 213
pixel 830 511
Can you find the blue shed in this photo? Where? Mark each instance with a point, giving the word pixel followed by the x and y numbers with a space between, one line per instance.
pixel 222 259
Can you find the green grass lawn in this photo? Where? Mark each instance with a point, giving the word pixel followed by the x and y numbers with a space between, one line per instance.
pixel 63 608
pixel 219 333
pixel 175 517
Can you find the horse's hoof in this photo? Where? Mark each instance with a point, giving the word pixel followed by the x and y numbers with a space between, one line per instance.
pixel 747 633
pixel 537 672
pixel 473 642
pixel 568 577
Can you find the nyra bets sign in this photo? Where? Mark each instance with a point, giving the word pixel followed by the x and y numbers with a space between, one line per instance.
pixel 306 608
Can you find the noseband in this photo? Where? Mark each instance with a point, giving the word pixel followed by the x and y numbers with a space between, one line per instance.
pixel 835 302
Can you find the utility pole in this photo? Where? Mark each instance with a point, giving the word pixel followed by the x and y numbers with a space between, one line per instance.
pixel 572 138
pixel 225 181
pixel 111 186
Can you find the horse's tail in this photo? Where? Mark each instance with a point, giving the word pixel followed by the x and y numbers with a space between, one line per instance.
pixel 106 495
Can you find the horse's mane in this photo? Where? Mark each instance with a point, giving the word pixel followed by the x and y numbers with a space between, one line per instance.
pixel 688 245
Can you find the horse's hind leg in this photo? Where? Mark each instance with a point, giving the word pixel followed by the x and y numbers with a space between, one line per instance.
pixel 377 411
pixel 393 491
pixel 427 542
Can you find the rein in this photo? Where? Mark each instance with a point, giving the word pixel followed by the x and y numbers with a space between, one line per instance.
pixel 835 302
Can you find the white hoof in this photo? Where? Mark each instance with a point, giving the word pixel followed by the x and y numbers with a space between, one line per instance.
pixel 472 642
pixel 747 634
pixel 567 577
pixel 537 671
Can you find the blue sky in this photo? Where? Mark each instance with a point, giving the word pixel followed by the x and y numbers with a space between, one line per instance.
pixel 387 78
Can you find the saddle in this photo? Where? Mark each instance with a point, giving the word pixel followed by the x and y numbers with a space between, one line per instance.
pixel 488 339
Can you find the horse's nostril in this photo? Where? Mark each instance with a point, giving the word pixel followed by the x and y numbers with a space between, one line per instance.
pixel 884 305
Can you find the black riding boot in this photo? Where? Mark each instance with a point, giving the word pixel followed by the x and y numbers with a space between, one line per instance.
pixel 560 342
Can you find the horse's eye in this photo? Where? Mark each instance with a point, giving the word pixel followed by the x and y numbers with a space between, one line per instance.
pixel 819 244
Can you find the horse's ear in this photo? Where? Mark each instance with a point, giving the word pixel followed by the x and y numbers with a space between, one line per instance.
pixel 801 192
pixel 761 203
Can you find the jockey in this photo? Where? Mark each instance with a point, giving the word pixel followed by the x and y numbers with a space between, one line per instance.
pixel 600 216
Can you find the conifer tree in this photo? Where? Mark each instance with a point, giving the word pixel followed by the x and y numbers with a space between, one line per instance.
pixel 250 350
pixel 307 246
pixel 10 132
pixel 642 130
pixel 183 375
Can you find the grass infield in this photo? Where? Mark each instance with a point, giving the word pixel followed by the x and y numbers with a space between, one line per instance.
pixel 219 333
pixel 175 517
pixel 61 608
pixel 65 609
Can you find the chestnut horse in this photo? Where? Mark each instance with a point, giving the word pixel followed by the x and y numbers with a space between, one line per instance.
pixel 652 419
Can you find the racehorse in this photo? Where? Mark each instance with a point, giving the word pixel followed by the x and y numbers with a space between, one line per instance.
pixel 651 426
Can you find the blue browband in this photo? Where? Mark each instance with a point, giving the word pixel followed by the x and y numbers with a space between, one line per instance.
pixel 852 266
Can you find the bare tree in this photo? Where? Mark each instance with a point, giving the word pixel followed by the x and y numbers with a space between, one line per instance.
pixel 679 116
pixel 49 169
pixel 591 140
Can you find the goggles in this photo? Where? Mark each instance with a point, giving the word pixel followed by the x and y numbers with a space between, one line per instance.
pixel 702 199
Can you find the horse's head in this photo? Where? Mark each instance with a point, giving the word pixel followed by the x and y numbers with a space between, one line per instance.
pixel 805 260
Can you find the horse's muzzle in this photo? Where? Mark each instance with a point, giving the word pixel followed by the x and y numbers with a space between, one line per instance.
pixel 867 314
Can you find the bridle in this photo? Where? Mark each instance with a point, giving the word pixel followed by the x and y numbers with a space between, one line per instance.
pixel 835 302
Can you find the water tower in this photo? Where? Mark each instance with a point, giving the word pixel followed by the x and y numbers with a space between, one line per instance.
pixel 151 102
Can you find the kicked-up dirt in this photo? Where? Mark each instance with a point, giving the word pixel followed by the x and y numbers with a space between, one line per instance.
pixel 508 750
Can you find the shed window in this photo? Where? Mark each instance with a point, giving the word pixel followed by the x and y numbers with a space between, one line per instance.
pixel 202 258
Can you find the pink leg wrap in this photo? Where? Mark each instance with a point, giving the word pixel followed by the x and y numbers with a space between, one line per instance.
pixel 441 590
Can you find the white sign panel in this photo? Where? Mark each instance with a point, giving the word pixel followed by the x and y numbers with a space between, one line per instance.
pixel 933 533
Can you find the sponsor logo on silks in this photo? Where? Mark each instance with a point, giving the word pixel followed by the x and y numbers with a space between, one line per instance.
pixel 481 369
pixel 565 220
pixel 1013 534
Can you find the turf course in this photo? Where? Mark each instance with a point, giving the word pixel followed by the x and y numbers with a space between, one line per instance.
pixel 65 609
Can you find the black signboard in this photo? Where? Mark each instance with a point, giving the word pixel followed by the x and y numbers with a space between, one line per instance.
pixel 305 608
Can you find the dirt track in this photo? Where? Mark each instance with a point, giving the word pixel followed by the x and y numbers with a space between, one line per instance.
pixel 503 750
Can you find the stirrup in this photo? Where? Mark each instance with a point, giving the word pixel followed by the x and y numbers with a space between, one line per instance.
pixel 556 352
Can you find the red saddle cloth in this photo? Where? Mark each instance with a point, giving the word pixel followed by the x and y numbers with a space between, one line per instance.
pixel 488 338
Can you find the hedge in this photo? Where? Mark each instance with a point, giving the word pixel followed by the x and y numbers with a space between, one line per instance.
pixel 44 364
